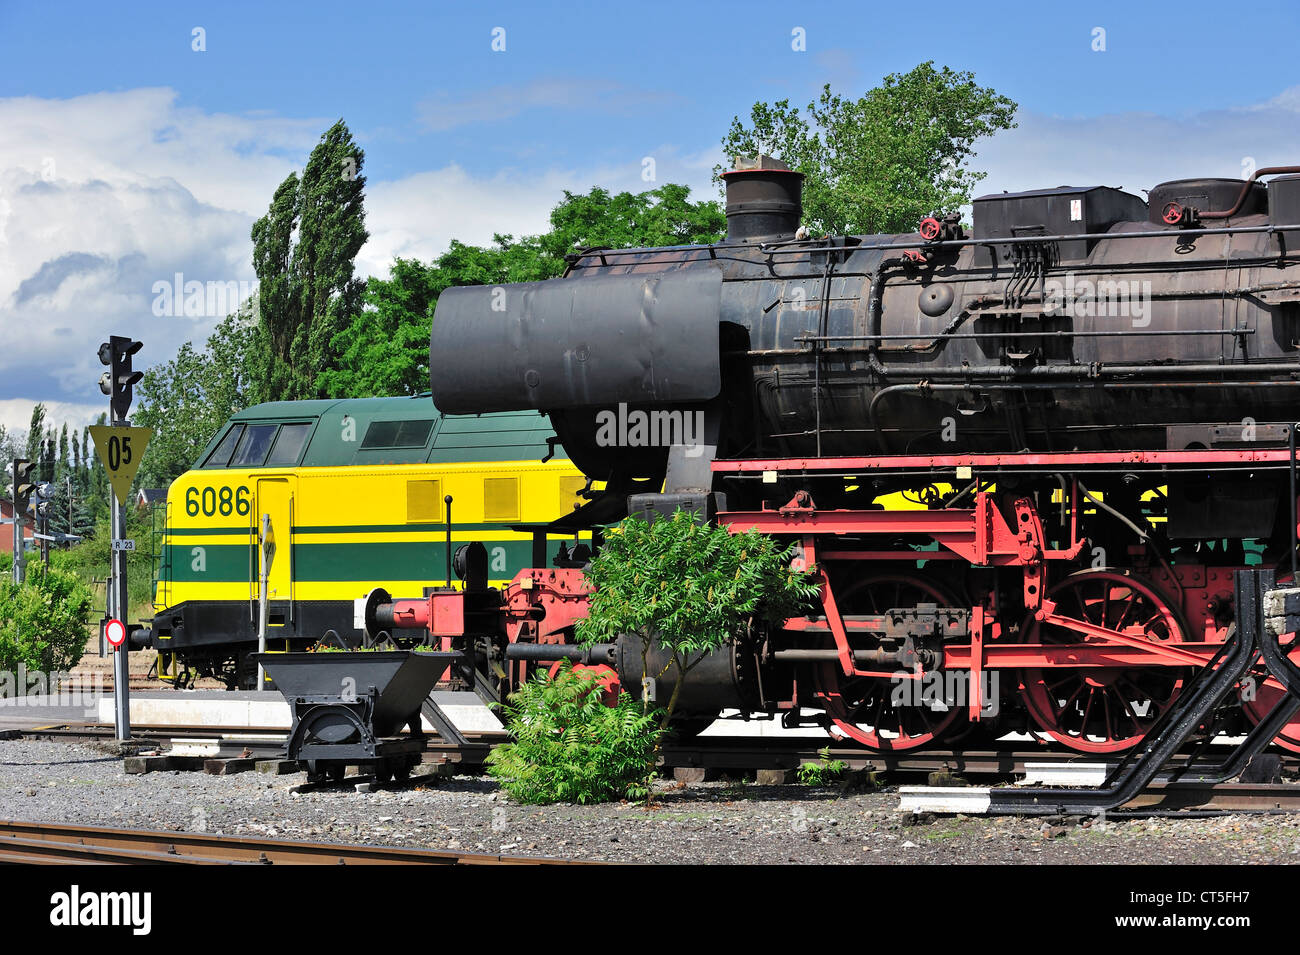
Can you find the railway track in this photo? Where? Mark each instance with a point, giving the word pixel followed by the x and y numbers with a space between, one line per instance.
pixel 55 843
pixel 749 754
pixel 738 753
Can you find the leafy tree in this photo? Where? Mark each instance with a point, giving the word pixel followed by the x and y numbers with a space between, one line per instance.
pixel 70 510
pixel 385 348
pixel 96 477
pixel 91 558
pixel 660 217
pixel 35 432
pixel 880 163
pixel 688 589
pixel 568 746
pixel 307 292
pixel 186 400
pixel 12 445
pixel 61 462
pixel 278 304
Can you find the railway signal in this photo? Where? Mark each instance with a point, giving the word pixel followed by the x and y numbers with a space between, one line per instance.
pixel 118 381
pixel 44 491
pixel 120 447
pixel 20 492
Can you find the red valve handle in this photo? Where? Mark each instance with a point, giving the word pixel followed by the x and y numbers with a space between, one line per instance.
pixel 930 228
pixel 1173 213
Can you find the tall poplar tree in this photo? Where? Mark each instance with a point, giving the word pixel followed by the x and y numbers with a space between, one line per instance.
pixel 35 432
pixel 304 251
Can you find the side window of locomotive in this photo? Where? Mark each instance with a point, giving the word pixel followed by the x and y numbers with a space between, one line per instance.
pixel 221 456
pixel 253 446
pixel 397 434
pixel 288 445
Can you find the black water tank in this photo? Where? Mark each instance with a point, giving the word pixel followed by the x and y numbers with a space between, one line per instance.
pixel 764 200
pixel 1206 195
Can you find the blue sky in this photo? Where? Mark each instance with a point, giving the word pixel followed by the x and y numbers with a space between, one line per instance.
pixel 126 156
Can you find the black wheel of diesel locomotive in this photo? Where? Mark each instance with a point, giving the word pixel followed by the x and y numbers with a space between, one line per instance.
pixel 863 708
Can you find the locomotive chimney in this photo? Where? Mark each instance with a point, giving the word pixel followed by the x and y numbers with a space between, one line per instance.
pixel 764 200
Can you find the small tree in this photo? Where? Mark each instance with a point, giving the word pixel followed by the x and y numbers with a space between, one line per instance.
pixel 43 621
pixel 690 589
pixel 569 746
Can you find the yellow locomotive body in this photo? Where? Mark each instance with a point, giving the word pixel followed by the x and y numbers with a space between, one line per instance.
pixel 353 493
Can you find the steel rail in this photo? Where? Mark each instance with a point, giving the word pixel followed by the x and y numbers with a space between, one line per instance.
pixel 124 846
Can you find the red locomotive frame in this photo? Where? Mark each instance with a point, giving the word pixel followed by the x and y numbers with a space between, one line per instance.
pixel 1095 654
pixel 1101 652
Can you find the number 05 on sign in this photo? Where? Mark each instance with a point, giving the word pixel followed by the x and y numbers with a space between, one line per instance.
pixel 121 450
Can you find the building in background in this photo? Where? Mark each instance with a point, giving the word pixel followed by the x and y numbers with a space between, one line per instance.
pixel 6 532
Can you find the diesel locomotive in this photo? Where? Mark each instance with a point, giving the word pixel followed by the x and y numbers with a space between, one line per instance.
pixel 359 494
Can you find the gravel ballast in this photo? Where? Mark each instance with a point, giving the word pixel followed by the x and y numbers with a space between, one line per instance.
pixel 728 822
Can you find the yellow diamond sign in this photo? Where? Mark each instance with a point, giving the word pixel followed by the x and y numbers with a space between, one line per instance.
pixel 121 450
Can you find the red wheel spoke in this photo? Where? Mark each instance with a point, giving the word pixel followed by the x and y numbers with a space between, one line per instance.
pixel 1119 624
pixel 1087 711
pixel 1074 696
pixel 1105 709
pixel 1131 710
pixel 1114 602
pixel 925 718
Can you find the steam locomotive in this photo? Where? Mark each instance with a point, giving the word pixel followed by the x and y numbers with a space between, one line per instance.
pixel 1024 462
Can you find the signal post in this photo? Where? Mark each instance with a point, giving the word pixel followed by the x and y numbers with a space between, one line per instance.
pixel 120 447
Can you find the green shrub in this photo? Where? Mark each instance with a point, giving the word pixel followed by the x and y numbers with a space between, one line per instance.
pixel 43 621
pixel 823 773
pixel 570 747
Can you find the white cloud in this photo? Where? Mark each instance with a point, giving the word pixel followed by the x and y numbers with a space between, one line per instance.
pixel 419 215
pixel 1136 151
pixel 16 414
pixel 103 195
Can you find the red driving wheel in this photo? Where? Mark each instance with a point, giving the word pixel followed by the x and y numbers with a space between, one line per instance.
pixel 864 708
pixel 1103 709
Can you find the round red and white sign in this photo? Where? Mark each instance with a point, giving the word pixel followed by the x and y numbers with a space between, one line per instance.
pixel 115 632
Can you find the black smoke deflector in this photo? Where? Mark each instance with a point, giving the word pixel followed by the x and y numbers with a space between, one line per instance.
pixel 566 343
